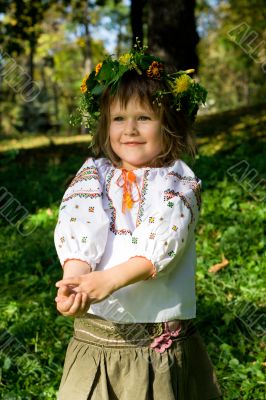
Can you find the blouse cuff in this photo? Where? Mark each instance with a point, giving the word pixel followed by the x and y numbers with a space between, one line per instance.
pixel 77 259
pixel 74 256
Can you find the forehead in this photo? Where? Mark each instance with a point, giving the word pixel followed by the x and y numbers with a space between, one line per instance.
pixel 134 103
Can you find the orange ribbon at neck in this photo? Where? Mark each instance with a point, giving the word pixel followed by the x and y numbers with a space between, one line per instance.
pixel 128 180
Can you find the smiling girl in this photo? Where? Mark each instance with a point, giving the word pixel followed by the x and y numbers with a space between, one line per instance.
pixel 125 239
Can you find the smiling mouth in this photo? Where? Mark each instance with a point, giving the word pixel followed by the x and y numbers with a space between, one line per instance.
pixel 128 143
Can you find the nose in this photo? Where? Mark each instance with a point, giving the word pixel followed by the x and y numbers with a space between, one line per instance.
pixel 131 127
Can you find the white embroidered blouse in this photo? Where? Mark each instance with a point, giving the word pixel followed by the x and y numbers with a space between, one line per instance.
pixel 160 226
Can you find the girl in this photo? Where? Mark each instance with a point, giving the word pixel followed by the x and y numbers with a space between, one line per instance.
pixel 125 239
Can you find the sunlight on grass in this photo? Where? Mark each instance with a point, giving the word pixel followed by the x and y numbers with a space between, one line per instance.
pixel 234 129
pixel 30 142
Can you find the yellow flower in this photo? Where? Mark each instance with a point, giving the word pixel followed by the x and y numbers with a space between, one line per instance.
pixel 98 68
pixel 83 86
pixel 181 84
pixel 155 70
pixel 125 59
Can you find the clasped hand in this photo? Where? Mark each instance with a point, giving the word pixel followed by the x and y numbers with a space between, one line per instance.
pixel 75 294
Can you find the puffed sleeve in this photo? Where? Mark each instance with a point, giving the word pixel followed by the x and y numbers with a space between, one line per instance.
pixel 82 226
pixel 166 232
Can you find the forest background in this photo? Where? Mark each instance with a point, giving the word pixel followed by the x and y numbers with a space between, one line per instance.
pixel 46 47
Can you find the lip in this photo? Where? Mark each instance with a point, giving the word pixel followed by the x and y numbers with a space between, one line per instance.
pixel 133 143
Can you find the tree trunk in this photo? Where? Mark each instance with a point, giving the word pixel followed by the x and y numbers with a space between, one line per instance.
pixel 172 32
pixel 136 13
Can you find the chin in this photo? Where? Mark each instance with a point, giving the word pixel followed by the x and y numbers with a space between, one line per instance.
pixel 135 164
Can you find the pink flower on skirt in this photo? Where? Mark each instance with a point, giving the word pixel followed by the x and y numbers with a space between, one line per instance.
pixel 164 341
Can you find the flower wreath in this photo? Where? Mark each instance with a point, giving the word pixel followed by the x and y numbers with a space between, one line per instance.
pixel 186 94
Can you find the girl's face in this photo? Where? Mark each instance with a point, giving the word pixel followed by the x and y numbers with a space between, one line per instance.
pixel 135 133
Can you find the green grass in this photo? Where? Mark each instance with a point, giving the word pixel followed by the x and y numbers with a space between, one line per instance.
pixel 231 302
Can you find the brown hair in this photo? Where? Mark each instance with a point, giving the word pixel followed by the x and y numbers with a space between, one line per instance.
pixel 177 137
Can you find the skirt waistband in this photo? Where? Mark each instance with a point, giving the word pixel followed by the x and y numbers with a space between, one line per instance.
pixel 94 330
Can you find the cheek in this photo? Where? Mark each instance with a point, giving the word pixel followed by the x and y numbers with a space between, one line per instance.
pixel 114 131
pixel 158 149
pixel 157 141
pixel 114 143
pixel 112 135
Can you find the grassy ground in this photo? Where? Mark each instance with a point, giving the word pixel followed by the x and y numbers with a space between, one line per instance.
pixel 231 302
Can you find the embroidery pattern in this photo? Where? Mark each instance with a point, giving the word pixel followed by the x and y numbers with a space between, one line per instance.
pixel 144 190
pixel 113 229
pixel 152 235
pixel 84 195
pixel 195 186
pixel 169 194
pixel 171 253
pixel 197 192
pixel 134 240
pixel 86 174
pixel 183 178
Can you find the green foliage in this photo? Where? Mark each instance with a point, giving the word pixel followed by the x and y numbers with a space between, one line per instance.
pixel 45 43
pixel 231 303
pixel 54 43
pixel 232 59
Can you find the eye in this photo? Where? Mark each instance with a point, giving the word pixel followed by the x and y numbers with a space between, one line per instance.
pixel 144 118
pixel 118 118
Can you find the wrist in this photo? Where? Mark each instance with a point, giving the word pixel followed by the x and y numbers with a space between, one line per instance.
pixel 134 270
pixel 75 267
pixel 114 279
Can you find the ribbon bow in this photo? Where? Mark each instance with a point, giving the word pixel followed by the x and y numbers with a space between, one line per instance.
pixel 164 341
pixel 128 180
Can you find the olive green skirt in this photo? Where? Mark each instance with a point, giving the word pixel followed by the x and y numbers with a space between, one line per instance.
pixel 142 361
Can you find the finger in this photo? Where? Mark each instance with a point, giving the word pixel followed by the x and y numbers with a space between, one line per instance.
pixel 76 304
pixel 64 306
pixel 68 281
pixel 78 289
pixel 61 298
pixel 64 291
pixel 85 303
